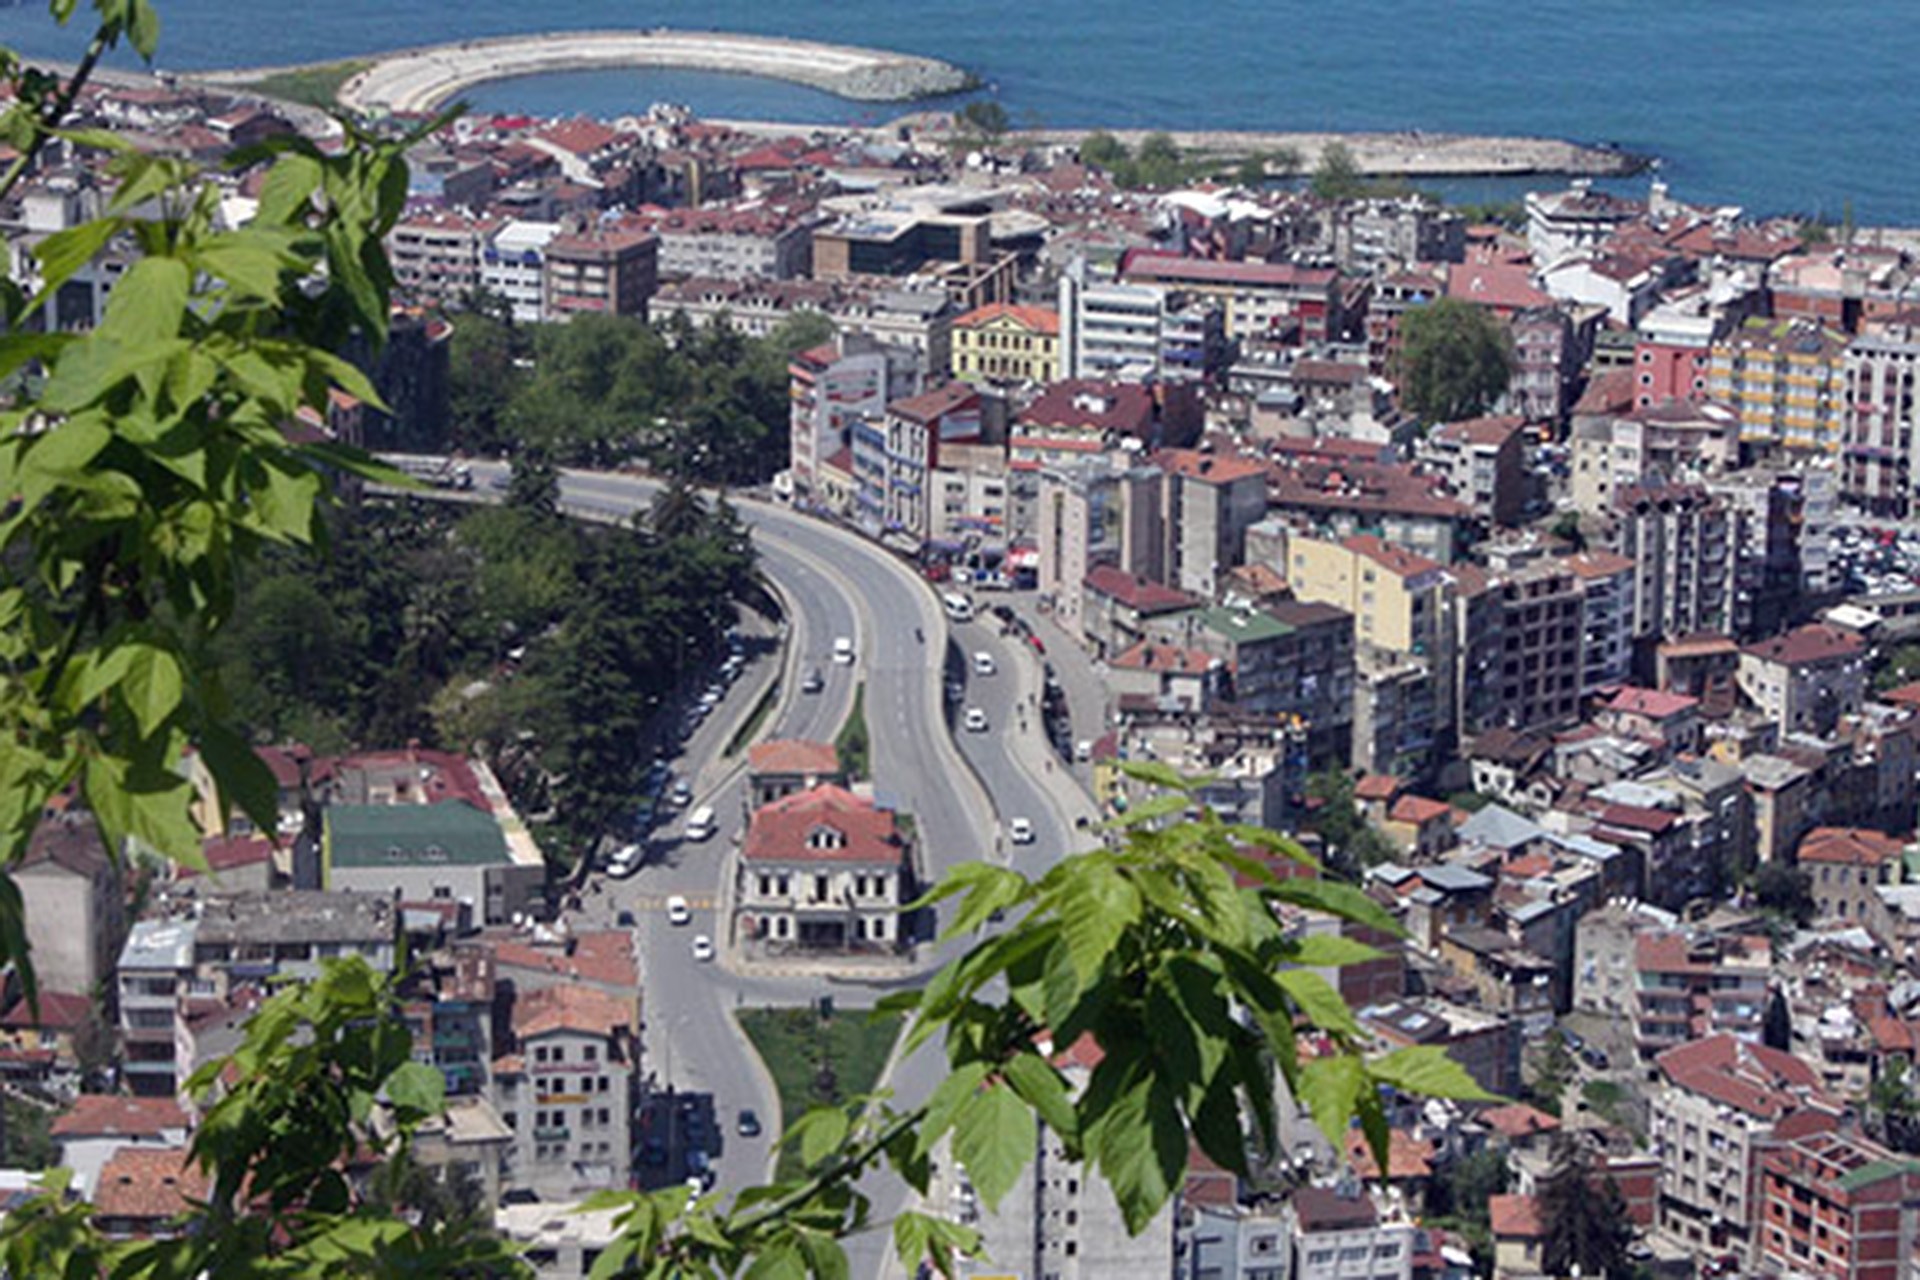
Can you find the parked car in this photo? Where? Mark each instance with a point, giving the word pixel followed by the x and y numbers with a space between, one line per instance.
pixel 1594 1057
pixel 748 1124
pixel 624 919
pixel 681 795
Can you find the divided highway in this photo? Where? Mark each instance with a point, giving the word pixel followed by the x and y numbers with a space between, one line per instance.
pixel 961 795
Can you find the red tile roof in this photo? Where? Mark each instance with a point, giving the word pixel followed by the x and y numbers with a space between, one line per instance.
pixel 1495 285
pixel 1518 1120
pixel 1043 320
pixel 1207 467
pixel 1377 786
pixel 1407 1156
pixel 1085 404
pixel 929 405
pixel 1815 642
pixel 1148 656
pixel 604 957
pixel 1140 265
pixel 1487 431
pixel 59 1011
pixel 1906 695
pixel 1395 560
pixel 780 831
pixel 1651 703
pixel 570 1008
pixel 1852 846
pixel 105 1115
pixel 1516 1218
pixel 1419 810
pixel 1136 593
pixel 794 755
pixel 148 1182
pixel 1758 1080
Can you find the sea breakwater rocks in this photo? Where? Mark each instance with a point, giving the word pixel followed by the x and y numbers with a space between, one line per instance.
pixel 426 78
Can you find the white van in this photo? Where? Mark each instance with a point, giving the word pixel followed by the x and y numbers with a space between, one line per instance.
pixel 959 608
pixel 700 823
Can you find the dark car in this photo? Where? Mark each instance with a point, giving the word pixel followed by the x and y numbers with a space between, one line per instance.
pixel 1004 612
pixel 624 919
pixel 814 682
pixel 748 1124
pixel 1595 1057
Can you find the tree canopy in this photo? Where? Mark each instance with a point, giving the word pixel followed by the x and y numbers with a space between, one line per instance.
pixel 1455 361
pixel 1338 176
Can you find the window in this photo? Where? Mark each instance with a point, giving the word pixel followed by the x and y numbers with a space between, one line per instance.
pixel 540 1053
pixel 591 1052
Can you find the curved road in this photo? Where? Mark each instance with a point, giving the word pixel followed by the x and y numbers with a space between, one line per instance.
pixel 837 584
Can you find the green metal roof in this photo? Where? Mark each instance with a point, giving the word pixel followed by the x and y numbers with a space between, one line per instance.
pixel 453 833
pixel 1244 626
pixel 1868 1174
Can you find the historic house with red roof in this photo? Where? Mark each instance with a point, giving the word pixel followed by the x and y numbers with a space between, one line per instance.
pixel 1005 342
pixel 823 870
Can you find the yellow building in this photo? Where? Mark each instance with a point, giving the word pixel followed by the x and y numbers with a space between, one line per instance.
pixel 1395 596
pixel 1001 342
pixel 1786 379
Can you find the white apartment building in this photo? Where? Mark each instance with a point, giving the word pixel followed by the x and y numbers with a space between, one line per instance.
pixel 513 266
pixel 568 1091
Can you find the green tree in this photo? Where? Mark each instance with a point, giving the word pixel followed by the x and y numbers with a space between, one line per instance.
pixel 1585 1218
pixel 1104 151
pixel 1252 170
pixel 1900 666
pixel 1555 1071
pixel 533 484
pixel 1337 176
pixel 1777 1031
pixel 489 357
pixel 1892 1110
pixel 1158 162
pixel 985 118
pixel 1284 162
pixel 1455 361
pixel 1785 890
pixel 1567 529
pixel 1353 844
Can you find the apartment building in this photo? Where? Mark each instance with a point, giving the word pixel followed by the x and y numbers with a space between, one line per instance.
pixel 1683 543
pixel 1689 986
pixel 1394 502
pixel 829 388
pixel 513 267
pixel 1104 510
pixel 1211 502
pixel 602 270
pixel 1711 1120
pixel 1564 224
pixel 1606 618
pixel 1839 1206
pixel 1260 301
pixel 895 463
pixel 1845 867
pixel 74 904
pixel 1806 680
pixel 1539 672
pixel 450 852
pixel 1662 443
pixel 745 242
pixel 1484 462
pixel 1110 329
pixel 1340 1234
pixel 436 256
pixel 1291 661
pixel 1880 460
pixel 1786 381
pixel 568 1089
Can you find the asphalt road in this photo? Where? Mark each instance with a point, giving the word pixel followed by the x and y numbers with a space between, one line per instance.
pixel 837 585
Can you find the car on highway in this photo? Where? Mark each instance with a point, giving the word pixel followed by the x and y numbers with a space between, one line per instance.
pixel 814 682
pixel 983 664
pixel 1020 831
pixel 958 607
pixel 702 948
pixel 700 824
pixel 843 651
pixel 747 1124
pixel 682 794
pixel 678 912
pixel 975 720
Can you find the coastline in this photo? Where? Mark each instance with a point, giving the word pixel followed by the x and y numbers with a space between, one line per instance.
pixel 425 78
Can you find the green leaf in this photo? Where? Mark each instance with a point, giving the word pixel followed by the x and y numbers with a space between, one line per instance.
pixel 1330 1088
pixel 826 1260
pixel 143 28
pixel 240 776
pixel 1318 1000
pixel 1140 1145
pixel 1159 775
pixel 149 303
pixel 1272 842
pixel 1332 951
pixel 1043 1089
pixel 1428 1071
pixel 1096 906
pixel 1337 899
pixel 415 1086
pixel 818 1134
pixel 778 1260
pixel 994 1136
pixel 1148 811
pixel 65 252
pixel 988 889
pixel 153 686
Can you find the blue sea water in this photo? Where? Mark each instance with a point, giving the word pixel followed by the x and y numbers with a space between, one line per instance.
pixel 1775 105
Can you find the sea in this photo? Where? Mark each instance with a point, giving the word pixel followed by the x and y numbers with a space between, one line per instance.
pixel 1775 106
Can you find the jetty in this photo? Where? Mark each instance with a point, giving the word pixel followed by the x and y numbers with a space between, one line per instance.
pixel 423 79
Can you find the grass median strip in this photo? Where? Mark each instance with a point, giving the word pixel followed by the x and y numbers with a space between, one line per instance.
pixel 817 1060
pixel 853 742
pixel 314 86
pixel 761 710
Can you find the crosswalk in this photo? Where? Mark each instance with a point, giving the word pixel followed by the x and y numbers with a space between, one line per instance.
pixel 658 902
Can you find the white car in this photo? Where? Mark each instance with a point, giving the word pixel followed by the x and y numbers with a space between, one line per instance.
pixel 1020 831
pixel 677 910
pixel 843 651
pixel 682 794
pixel 976 720
pixel 702 948
pixel 624 862
pixel 983 664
